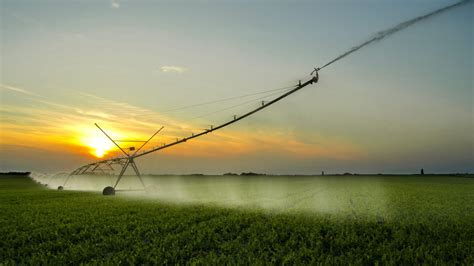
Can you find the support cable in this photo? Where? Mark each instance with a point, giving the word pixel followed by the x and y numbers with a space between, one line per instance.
pixel 224 100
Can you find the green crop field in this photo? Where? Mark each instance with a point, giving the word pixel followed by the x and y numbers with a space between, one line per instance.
pixel 260 220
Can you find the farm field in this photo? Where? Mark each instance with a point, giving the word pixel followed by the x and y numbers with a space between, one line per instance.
pixel 358 219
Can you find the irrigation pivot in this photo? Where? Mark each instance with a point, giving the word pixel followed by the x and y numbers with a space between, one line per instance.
pixel 128 158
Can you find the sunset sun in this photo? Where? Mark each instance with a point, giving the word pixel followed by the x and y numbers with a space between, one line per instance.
pixel 99 146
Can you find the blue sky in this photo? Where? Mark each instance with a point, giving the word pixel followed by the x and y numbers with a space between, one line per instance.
pixel 394 106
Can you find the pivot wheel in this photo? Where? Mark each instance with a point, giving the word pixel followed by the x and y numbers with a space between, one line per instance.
pixel 60 188
pixel 108 191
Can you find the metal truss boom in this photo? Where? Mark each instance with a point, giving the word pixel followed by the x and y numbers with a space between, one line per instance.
pixel 314 79
pixel 128 159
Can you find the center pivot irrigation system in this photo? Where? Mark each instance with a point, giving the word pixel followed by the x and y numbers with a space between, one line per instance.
pixel 106 166
pixel 129 159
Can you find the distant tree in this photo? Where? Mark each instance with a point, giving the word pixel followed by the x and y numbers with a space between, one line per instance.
pixel 322 173
pixel 250 174
pixel 422 172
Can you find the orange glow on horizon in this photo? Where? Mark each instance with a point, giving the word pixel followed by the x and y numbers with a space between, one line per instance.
pixel 86 140
pixel 73 132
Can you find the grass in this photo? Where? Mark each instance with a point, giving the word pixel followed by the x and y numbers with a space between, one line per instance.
pixel 430 221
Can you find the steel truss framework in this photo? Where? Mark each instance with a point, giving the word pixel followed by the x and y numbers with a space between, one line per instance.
pixel 106 166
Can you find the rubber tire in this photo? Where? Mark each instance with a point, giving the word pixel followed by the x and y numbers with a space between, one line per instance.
pixel 108 191
pixel 60 188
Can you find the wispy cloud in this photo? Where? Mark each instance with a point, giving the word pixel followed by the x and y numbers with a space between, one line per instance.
pixel 115 4
pixel 173 69
pixel 19 90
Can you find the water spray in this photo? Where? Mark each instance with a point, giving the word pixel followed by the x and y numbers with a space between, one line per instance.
pixel 382 34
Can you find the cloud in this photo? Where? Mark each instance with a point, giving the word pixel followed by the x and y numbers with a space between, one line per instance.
pixel 173 69
pixel 96 114
pixel 115 4
pixel 15 89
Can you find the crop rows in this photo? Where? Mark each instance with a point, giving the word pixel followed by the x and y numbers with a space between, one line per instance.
pixel 40 226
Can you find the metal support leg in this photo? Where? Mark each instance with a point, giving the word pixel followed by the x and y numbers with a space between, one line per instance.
pixel 122 172
pixel 67 179
pixel 137 172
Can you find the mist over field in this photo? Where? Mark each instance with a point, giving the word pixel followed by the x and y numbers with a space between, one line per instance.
pixel 278 193
pixel 352 197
